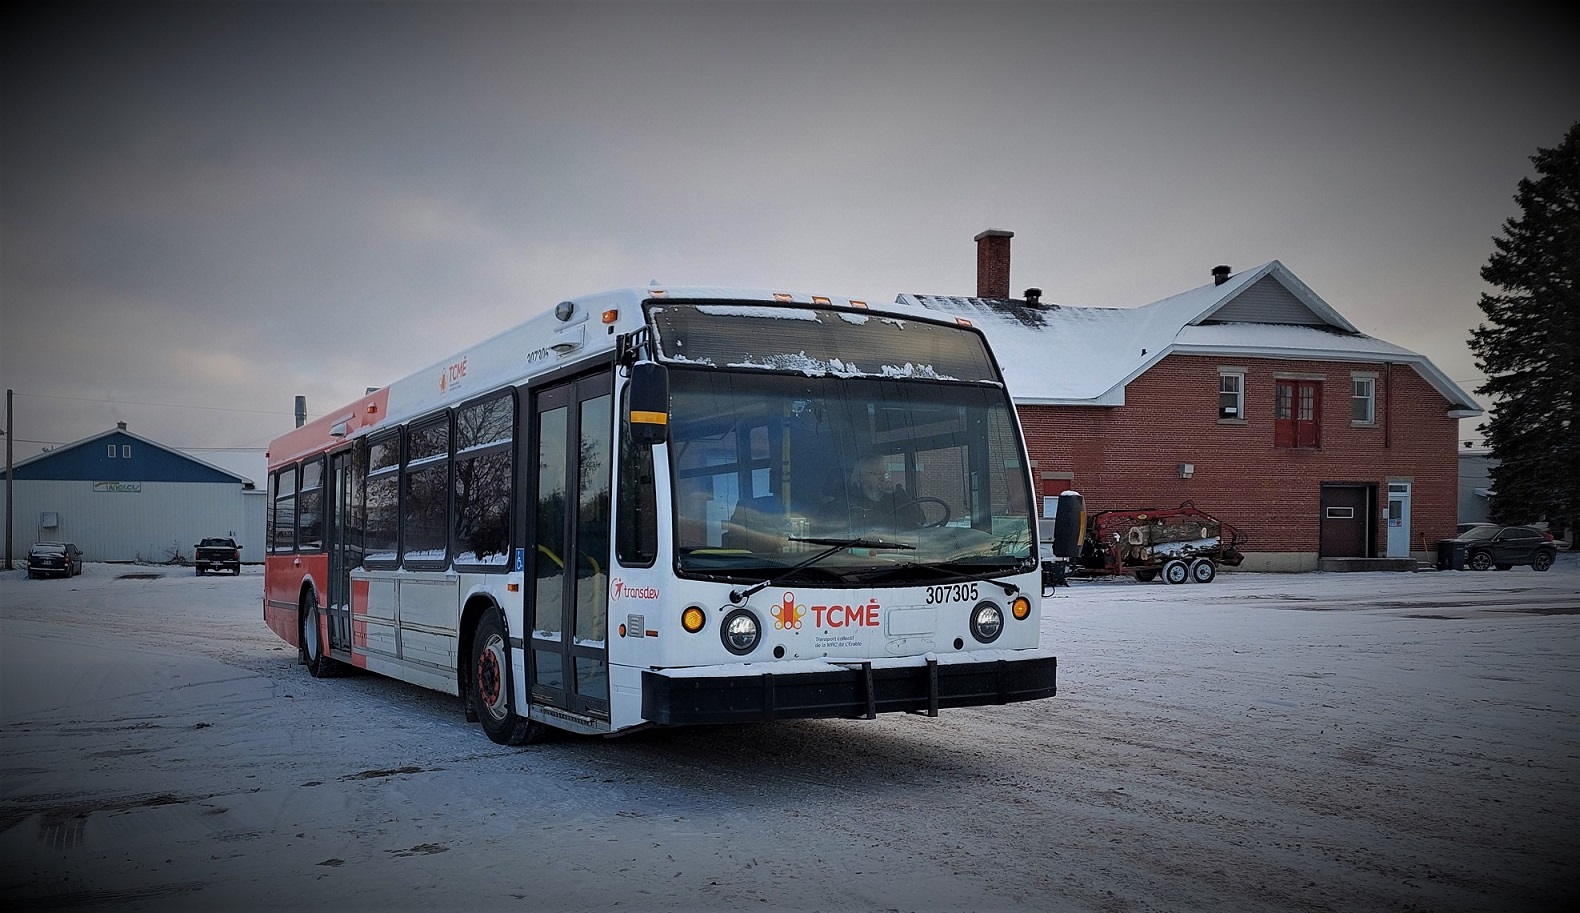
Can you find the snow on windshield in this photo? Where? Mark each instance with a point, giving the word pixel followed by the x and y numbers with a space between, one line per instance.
pixel 817 343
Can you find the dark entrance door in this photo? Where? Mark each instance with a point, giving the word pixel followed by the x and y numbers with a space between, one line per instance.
pixel 1346 521
pixel 572 433
pixel 344 542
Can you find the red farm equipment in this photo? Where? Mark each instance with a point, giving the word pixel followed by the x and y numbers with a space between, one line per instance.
pixel 1182 544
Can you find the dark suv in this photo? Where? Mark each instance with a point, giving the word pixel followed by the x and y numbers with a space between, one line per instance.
pixel 61 559
pixel 1502 547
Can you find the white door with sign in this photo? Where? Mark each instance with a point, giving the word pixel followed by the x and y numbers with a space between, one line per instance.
pixel 1398 519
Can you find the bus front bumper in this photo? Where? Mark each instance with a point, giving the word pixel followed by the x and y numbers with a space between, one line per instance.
pixel 800 689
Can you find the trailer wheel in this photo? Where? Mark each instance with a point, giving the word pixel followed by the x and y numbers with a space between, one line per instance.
pixel 1176 571
pixel 1202 570
pixel 1146 576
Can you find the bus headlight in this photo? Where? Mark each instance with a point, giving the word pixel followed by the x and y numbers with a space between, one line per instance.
pixel 692 619
pixel 1020 607
pixel 987 621
pixel 740 632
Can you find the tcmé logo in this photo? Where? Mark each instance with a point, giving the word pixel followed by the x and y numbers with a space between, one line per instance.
pixel 451 376
pixel 787 615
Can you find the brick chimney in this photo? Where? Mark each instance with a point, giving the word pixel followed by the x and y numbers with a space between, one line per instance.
pixel 993 263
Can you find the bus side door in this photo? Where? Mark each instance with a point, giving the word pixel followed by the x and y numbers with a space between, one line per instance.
pixel 571 428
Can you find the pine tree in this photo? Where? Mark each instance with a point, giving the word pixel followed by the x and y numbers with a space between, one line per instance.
pixel 1529 346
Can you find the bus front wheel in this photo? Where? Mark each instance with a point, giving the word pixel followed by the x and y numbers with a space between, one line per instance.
pixel 489 686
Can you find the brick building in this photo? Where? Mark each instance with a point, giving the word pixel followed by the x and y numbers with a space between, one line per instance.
pixel 1250 396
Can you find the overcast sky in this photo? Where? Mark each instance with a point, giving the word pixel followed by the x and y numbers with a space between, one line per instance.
pixel 209 208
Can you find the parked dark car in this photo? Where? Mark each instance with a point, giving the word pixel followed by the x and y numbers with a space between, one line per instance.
pixel 217 553
pixel 57 559
pixel 1502 547
pixel 1467 527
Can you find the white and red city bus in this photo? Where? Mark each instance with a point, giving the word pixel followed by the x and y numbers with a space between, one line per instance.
pixel 668 507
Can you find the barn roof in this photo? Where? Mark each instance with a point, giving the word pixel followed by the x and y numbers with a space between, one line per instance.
pixel 150 461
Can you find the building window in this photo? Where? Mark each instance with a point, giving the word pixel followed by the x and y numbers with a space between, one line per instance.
pixel 1297 414
pixel 112 451
pixel 1231 395
pixel 1363 400
pixel 126 451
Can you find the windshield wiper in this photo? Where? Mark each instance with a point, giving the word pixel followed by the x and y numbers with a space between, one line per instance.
pixel 834 545
pixel 1009 589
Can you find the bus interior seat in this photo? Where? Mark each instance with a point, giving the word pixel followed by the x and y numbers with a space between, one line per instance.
pixel 758 524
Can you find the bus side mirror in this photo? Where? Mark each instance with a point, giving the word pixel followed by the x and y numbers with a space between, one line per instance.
pixel 1069 525
pixel 648 401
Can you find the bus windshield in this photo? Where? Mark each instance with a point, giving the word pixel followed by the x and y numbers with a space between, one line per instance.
pixel 760 461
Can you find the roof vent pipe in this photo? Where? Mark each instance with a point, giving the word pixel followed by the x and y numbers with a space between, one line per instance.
pixel 1220 275
pixel 1034 297
pixel 301 411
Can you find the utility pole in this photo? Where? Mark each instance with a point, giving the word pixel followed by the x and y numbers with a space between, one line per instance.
pixel 10 491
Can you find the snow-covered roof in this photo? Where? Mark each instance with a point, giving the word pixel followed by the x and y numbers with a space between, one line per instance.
pixel 1062 355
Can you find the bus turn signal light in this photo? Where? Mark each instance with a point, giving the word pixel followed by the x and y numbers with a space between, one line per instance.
pixel 1020 607
pixel 692 619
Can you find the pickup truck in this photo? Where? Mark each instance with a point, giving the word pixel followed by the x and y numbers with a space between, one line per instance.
pixel 214 554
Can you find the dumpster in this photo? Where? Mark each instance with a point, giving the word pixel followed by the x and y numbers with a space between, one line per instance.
pixel 1450 555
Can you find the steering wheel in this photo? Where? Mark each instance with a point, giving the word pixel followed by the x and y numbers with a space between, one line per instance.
pixel 941 503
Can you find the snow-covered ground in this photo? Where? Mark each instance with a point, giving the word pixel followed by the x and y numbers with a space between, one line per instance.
pixel 1266 742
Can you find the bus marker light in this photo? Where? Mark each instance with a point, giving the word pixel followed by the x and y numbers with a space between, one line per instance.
pixel 819 299
pixel 782 296
pixel 512 587
pixel 1020 607
pixel 622 629
pixel 857 304
pixel 962 321
pixel 692 619
pixel 611 315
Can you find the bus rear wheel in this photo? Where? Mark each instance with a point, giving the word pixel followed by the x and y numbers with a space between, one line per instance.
pixel 314 652
pixel 489 686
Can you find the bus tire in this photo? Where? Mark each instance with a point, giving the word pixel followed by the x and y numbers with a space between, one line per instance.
pixel 488 685
pixel 1202 570
pixel 314 651
pixel 1176 571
